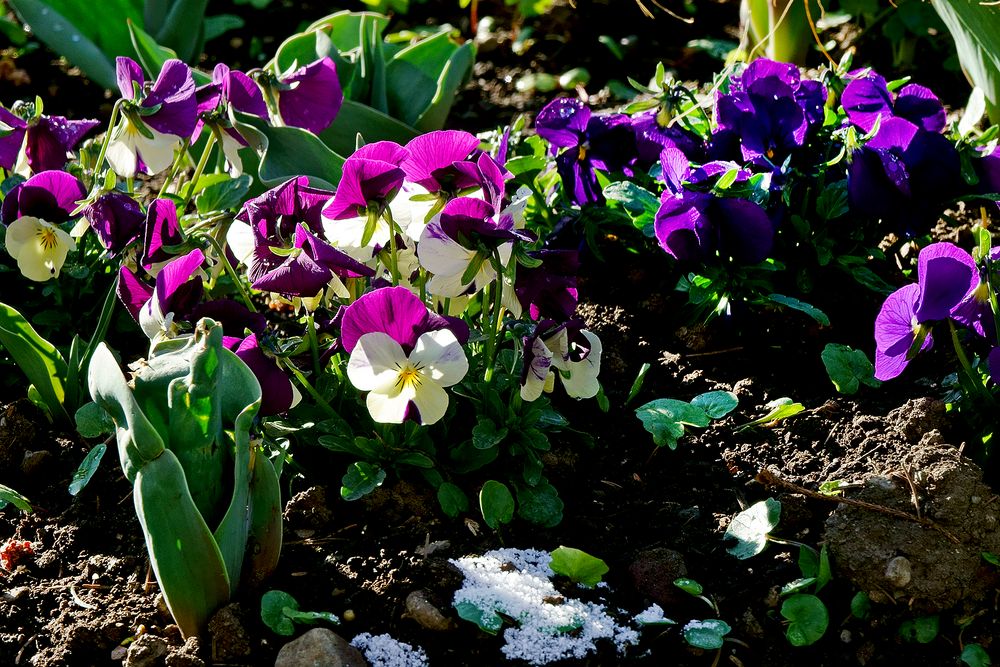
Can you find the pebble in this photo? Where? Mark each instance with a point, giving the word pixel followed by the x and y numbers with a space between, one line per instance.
pixel 319 648
pixel 146 651
pixel 422 610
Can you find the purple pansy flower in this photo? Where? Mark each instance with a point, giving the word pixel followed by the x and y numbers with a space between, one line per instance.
pixel 566 347
pixel 768 111
pixel 904 175
pixel 653 133
pixel 153 124
pixel 311 267
pixel 692 225
pixel 549 290
pixel 116 219
pixel 277 392
pixel 163 230
pixel 230 90
pixel 867 98
pixel 588 142
pixel 48 141
pixel 402 354
pixel 945 274
pixel 310 97
pixel 178 290
pixel 32 210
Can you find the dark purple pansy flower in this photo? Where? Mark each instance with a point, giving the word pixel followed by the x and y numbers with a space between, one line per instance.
pixel 230 90
pixel 993 363
pixel 768 111
pixel 987 168
pixel 116 219
pixel 311 96
pixel 47 140
pixel 132 292
pixel 473 221
pixel 945 275
pixel 178 290
pixel 904 175
pixel 867 97
pixel 277 393
pixel 549 290
pixel 398 313
pixel 371 177
pixel 312 266
pixel 50 196
pixel 653 134
pixel 163 230
pixel 588 142
pixel 172 96
pixel 275 214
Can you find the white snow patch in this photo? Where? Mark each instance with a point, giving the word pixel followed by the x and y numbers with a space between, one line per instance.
pixel 384 651
pixel 517 583
pixel 652 616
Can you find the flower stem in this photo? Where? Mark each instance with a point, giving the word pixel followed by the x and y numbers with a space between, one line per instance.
pixel 200 168
pixel 313 341
pixel 491 338
pixel 230 271
pixel 972 385
pixel 311 390
pixel 115 112
pixel 393 250
pixel 173 173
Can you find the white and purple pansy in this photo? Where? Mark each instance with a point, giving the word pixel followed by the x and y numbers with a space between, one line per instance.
pixel 39 143
pixel 403 355
pixel 32 212
pixel 230 90
pixel 178 290
pixel 155 123
pixel 567 350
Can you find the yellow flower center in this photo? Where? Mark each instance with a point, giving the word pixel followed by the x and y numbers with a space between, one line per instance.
pixel 581 152
pixel 47 237
pixel 409 376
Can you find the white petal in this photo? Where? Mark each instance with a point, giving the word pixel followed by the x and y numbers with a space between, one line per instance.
pixel 581 381
pixel 431 401
pixel 509 299
pixel 157 153
pixel 348 233
pixel 538 372
pixel 440 357
pixel 375 362
pixel 410 216
pixel 121 153
pixel 389 405
pixel 240 240
pixel 231 149
pixel 39 247
pixel 559 344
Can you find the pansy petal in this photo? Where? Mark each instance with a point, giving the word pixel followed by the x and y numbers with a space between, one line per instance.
pixel 944 273
pixel 129 75
pixel 395 311
pixel 431 401
pixel 563 121
pixel 162 229
pixel 919 105
pixel 174 91
pixel 132 292
pixel 375 362
pixel 581 380
pixel 315 96
pixel 441 357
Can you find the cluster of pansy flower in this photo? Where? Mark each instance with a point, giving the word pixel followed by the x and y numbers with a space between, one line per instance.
pixel 776 147
pixel 406 279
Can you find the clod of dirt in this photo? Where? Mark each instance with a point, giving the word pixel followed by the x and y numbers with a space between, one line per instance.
pixel 35 462
pixel 918 416
pixel 653 573
pixel 187 655
pixel 230 640
pixel 308 509
pixel 420 609
pixel 146 651
pixel 320 646
pixel 930 567
pixel 17 430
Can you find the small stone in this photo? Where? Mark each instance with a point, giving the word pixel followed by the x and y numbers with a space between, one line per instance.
pixel 422 610
pixel 146 651
pixel 187 655
pixel 14 594
pixel 319 648
pixel 33 462
pixel 898 572
pixel 119 653
pixel 653 573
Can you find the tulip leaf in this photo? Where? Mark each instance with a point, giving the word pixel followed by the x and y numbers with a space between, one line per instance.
pixel 37 358
pixel 286 152
pixel 356 118
pixel 455 73
pixel 183 28
pixel 808 619
pixel 87 468
pixel 579 566
pixel 496 504
pixel 976 31
pixel 750 527
pixel 152 55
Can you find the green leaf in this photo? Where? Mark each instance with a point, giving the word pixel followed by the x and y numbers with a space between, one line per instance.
pixel 412 75
pixel 496 504
pixel 9 495
pixel 689 586
pixel 88 34
pixel 808 619
pixel 452 499
pixel 361 479
pixel 87 468
pixel 37 358
pixel 797 586
pixel 991 558
pixel 183 29
pixel 217 26
pixel 579 566
pixel 750 528
pixel 540 504
pixel 779 408
pixel 861 605
pixel 825 573
pixel 355 118
pixel 93 421
pixel 706 634
pixel 975 655
pixel 273 606
pixel 716 404
pixel 976 31
pixel 802 306
pixel 311 617
pixel 487 619
pixel 456 73
pixel 848 368
pixel 637 383
pixel 920 630
pixel 223 196
pixel 286 152
pixel 665 418
pixel 152 55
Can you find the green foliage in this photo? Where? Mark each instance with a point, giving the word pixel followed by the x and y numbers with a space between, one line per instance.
pixel 974 655
pixel 708 634
pixel 280 612
pixel 666 418
pixel 801 306
pixel 861 605
pixel 203 492
pixel 38 359
pixel 361 479
pixel 976 30
pixel 579 566
pixel 496 504
pixel 807 617
pixel 848 368
pixel 780 30
pixel 922 630
pixel 750 528
pixel 93 421
pixel 778 409
pixel 87 468
pixel 9 496
pixel 285 152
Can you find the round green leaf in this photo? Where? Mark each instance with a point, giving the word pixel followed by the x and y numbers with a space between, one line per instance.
pixel 361 479
pixel 496 503
pixel 808 619
pixel 689 586
pixel 750 528
pixel 707 634
pixel 272 612
pixel 579 566
pixel 975 655
pixel 716 404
